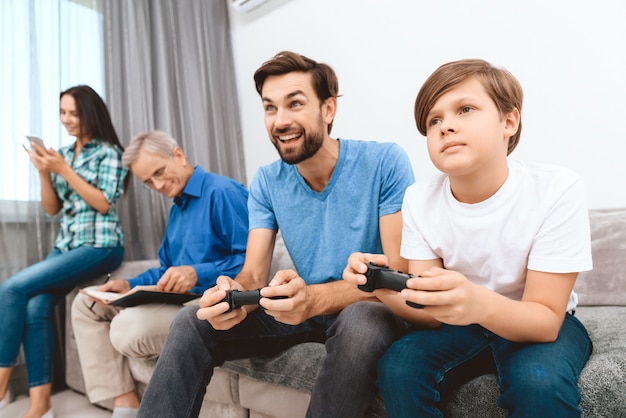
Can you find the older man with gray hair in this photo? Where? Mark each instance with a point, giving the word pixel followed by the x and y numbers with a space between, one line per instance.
pixel 205 238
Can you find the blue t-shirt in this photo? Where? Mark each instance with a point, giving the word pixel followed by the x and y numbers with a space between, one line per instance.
pixel 321 229
pixel 207 229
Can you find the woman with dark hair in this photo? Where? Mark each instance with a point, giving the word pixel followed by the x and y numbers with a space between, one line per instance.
pixel 82 182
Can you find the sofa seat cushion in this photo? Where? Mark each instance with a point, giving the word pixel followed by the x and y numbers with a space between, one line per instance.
pixel 296 367
pixel 602 382
pixel 271 400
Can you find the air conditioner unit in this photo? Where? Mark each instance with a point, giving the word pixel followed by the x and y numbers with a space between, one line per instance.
pixel 247 6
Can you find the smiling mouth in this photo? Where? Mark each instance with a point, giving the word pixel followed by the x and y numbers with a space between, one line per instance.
pixel 286 139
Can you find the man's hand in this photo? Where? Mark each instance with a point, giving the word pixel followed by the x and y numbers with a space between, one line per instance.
pixel 115 285
pixel 178 279
pixel 295 308
pixel 357 266
pixel 214 312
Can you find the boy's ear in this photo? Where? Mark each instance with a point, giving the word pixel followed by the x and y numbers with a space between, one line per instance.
pixel 511 122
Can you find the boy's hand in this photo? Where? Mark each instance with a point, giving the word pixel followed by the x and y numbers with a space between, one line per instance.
pixel 357 266
pixel 213 308
pixel 447 296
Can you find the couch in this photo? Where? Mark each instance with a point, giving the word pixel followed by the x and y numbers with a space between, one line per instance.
pixel 280 386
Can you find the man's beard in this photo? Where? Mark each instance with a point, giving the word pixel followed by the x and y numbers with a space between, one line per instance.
pixel 311 143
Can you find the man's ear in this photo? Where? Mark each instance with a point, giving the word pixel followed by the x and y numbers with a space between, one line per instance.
pixel 329 109
pixel 180 156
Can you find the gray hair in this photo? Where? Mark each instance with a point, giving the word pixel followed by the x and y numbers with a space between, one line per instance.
pixel 157 142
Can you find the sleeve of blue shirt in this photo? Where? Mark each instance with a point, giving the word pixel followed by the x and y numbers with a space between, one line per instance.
pixel 152 276
pixel 229 215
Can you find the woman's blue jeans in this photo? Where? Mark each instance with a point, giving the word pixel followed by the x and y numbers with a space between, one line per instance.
pixel 535 380
pixel 27 300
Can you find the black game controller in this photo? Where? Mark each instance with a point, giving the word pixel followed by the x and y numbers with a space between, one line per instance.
pixel 237 298
pixel 385 278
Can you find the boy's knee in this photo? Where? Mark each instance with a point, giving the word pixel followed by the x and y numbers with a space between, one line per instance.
pixel 536 381
pixel 541 389
pixel 390 372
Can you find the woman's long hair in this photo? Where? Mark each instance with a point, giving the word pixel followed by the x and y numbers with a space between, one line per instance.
pixel 95 120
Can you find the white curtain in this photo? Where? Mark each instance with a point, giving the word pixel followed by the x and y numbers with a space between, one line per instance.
pixel 169 66
pixel 46 46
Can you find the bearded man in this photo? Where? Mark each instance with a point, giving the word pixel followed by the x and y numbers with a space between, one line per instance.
pixel 329 198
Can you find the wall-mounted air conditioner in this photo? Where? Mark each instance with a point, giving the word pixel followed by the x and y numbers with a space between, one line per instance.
pixel 247 6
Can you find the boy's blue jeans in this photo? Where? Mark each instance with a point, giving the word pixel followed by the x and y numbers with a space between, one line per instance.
pixel 27 300
pixel 535 380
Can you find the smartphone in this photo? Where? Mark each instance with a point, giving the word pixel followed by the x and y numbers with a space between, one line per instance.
pixel 36 140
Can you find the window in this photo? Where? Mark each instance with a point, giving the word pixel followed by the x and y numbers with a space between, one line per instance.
pixel 46 46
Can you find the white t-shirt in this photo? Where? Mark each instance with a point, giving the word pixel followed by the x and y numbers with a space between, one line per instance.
pixel 537 220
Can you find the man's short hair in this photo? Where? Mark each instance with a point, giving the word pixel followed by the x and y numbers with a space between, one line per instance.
pixel 157 142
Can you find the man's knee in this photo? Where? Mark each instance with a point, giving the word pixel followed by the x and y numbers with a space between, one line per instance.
pixel 367 318
pixel 186 316
pixel 367 326
pixel 140 332
pixel 80 304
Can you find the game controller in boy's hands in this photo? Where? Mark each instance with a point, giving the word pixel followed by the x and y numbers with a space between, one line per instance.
pixel 237 298
pixel 382 277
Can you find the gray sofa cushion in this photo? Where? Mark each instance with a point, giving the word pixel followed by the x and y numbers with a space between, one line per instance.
pixel 287 368
pixel 602 382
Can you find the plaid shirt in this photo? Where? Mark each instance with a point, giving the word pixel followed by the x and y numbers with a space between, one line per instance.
pixel 100 164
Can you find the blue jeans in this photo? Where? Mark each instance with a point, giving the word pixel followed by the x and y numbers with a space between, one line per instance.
pixel 355 340
pixel 535 380
pixel 27 300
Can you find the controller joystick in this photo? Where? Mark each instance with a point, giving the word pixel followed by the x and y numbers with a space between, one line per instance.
pixel 382 277
pixel 237 298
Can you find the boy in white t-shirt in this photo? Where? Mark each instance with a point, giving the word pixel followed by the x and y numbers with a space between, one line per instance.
pixel 498 245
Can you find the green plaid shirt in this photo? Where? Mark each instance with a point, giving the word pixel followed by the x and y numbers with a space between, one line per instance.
pixel 100 164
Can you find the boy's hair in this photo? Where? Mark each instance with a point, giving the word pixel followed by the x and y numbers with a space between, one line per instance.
pixel 500 84
pixel 323 77
pixel 156 142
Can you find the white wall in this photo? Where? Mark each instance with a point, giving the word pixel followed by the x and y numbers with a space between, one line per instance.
pixel 570 57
